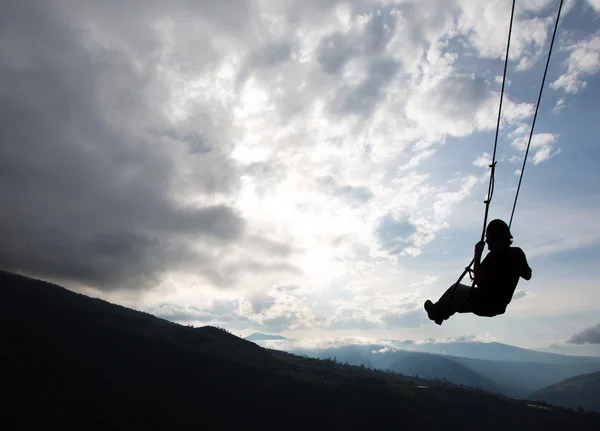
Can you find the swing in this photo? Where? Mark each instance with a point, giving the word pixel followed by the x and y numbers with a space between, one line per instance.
pixel 492 166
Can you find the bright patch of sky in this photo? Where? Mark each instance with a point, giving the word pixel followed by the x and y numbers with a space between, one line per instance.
pixel 315 169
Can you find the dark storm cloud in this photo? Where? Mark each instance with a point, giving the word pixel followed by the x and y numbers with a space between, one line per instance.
pixel 587 336
pixel 87 180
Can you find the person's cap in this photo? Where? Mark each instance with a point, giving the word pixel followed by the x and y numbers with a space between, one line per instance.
pixel 500 228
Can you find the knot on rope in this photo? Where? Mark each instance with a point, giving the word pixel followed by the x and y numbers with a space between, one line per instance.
pixel 470 272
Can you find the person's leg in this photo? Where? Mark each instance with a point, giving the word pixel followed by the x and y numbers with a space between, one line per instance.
pixel 449 303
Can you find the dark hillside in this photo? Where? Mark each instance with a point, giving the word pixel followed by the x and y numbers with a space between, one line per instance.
pixel 72 362
pixel 579 391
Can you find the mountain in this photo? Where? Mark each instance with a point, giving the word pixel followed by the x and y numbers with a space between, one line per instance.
pixel 257 336
pixel 592 350
pixel 501 352
pixel 438 367
pixel 522 378
pixel 73 362
pixel 579 391
pixel 514 378
pixel 424 365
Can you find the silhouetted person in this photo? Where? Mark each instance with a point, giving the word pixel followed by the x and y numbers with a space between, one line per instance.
pixel 496 278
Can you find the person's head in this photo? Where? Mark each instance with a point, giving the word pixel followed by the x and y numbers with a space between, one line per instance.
pixel 497 235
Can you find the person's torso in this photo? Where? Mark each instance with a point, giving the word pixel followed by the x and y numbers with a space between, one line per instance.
pixel 504 268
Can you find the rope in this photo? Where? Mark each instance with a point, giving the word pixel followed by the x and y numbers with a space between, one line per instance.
pixel 493 164
pixel 536 112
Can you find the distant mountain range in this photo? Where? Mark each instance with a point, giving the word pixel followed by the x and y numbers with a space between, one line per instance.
pixel 493 351
pixel 73 362
pixel 579 391
pixel 257 336
pixel 515 372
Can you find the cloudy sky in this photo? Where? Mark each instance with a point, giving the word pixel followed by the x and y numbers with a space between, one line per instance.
pixel 310 168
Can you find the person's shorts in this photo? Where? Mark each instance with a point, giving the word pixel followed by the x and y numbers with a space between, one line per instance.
pixel 482 305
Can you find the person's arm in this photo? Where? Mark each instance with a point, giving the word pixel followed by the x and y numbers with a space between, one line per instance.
pixel 478 272
pixel 525 269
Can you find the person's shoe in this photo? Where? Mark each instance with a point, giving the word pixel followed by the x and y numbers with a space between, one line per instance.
pixel 432 312
pixel 429 308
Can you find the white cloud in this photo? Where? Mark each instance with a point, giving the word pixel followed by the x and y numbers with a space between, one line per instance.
pixel 595 4
pixel 483 161
pixel 277 312
pixel 295 344
pixel 522 129
pixel 583 61
pixel 430 279
pixel 446 200
pixel 544 154
pixel 483 338
pixel 416 160
pixel 542 146
pixel 560 105
pixel 458 105
pixel 498 80
pixel 378 310
pixel 385 345
pixel 487 23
